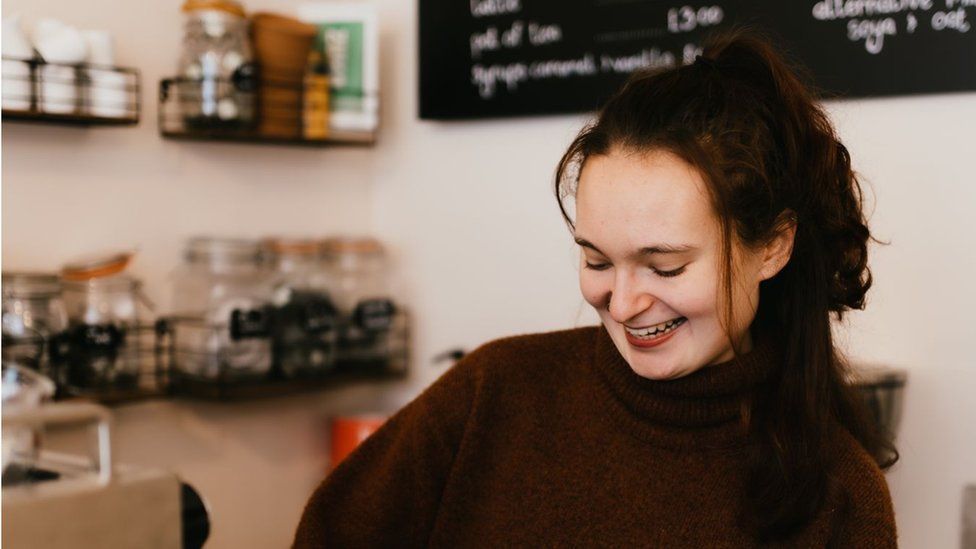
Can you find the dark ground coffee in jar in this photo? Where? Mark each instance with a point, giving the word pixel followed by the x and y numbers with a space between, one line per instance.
pixel 373 326
pixel 304 330
pixel 103 305
pixel 221 318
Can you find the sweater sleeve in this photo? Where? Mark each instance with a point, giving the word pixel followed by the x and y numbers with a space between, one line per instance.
pixel 869 518
pixel 386 493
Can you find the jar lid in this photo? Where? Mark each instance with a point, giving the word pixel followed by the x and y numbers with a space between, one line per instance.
pixel 116 282
pixel 293 246
pixel 223 250
pixel 96 266
pixel 352 245
pixel 31 284
pixel 230 6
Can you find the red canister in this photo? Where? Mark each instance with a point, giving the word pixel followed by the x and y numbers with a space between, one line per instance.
pixel 347 432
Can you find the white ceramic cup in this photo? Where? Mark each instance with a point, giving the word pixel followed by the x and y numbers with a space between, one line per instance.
pixel 107 93
pixel 16 47
pixel 16 85
pixel 60 43
pixel 58 85
pixel 101 50
pixel 14 42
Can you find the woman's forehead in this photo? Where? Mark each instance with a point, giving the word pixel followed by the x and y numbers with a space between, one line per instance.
pixel 656 194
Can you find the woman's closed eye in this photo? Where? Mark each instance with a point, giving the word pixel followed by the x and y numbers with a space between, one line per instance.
pixel 659 272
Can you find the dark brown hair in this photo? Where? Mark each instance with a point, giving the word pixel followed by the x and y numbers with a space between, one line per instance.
pixel 748 121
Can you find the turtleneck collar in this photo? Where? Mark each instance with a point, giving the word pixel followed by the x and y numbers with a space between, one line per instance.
pixel 702 409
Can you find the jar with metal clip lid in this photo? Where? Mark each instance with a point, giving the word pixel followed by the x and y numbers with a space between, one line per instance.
pixel 34 321
pixel 373 330
pixel 304 331
pixel 218 77
pixel 221 311
pixel 106 310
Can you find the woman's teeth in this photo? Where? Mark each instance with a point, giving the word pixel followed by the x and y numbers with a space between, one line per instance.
pixel 657 330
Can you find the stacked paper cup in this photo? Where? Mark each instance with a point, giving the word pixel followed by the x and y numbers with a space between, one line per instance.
pixel 106 86
pixel 61 46
pixel 16 69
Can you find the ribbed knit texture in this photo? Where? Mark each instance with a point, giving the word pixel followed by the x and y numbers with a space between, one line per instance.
pixel 552 440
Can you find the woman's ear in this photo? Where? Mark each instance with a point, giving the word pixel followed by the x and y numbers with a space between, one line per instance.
pixel 777 252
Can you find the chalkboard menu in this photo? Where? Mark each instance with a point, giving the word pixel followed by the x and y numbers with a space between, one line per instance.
pixel 490 58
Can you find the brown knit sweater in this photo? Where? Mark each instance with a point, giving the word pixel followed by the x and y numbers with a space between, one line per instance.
pixel 552 440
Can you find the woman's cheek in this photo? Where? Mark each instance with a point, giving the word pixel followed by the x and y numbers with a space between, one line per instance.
pixel 594 290
pixel 694 299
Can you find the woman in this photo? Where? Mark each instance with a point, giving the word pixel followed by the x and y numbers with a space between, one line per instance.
pixel 720 224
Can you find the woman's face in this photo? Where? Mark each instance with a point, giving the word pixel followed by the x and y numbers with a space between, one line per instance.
pixel 651 250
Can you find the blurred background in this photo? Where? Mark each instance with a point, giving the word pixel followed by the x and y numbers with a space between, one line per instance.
pixel 461 201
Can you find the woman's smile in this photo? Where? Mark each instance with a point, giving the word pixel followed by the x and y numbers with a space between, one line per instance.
pixel 656 335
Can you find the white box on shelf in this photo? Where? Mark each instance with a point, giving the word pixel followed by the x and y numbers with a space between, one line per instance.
pixel 350 36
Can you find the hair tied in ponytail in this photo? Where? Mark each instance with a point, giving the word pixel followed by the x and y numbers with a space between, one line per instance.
pixel 744 116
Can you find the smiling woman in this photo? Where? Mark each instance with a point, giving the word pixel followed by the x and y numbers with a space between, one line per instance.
pixel 669 291
pixel 732 158
pixel 719 225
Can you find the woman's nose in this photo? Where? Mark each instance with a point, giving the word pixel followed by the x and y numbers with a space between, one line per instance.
pixel 625 303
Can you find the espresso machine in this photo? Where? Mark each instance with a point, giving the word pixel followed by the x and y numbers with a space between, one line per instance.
pixel 54 500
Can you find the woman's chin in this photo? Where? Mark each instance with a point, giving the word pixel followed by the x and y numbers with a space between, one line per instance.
pixel 652 367
pixel 655 370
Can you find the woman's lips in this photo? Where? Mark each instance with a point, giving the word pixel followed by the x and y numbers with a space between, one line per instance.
pixel 647 343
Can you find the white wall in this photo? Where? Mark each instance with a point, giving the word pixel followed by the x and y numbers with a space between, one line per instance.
pixel 69 191
pixel 914 153
pixel 470 216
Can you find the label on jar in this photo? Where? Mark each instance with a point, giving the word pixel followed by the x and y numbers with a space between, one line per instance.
pixel 245 77
pixel 248 323
pixel 98 337
pixel 374 315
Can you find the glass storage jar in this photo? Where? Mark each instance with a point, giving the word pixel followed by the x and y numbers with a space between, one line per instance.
pixel 218 79
pixel 34 321
pixel 221 303
pixel 304 329
pixel 104 317
pixel 373 327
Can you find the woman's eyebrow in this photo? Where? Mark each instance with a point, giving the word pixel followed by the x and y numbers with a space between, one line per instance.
pixel 643 252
